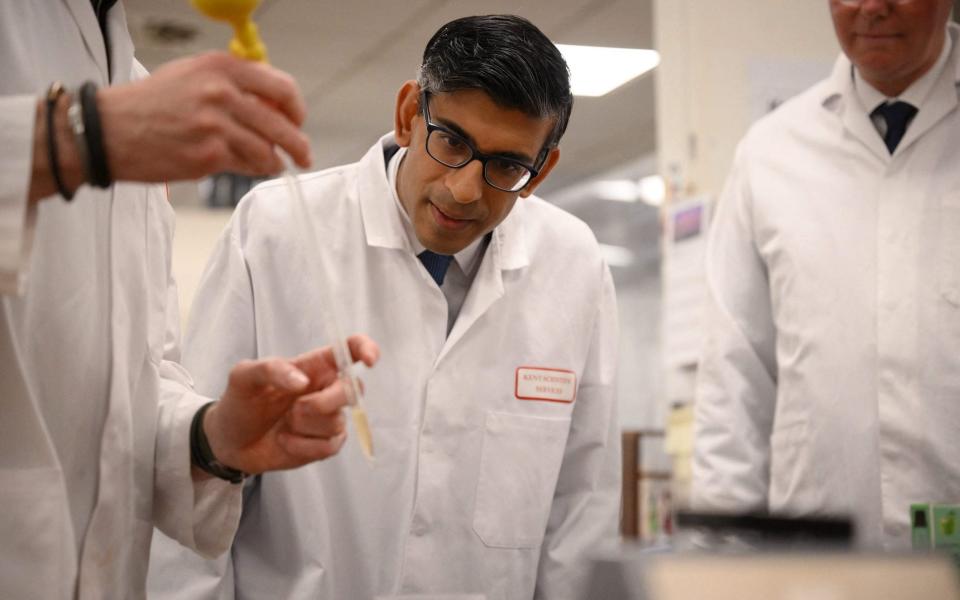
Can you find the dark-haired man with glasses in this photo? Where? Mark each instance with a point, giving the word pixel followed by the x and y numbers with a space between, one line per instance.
pixel 492 408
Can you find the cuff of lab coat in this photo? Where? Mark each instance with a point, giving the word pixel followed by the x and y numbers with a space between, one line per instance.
pixel 201 515
pixel 17 217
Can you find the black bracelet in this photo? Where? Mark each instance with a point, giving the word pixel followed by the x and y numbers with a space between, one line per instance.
pixel 99 169
pixel 53 95
pixel 75 119
pixel 202 456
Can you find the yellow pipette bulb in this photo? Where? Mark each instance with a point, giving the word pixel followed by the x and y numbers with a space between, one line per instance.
pixel 246 42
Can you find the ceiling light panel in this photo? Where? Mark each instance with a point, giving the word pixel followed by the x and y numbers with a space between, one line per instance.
pixel 598 70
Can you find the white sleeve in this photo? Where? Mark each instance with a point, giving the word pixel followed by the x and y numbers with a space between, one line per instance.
pixel 17 216
pixel 586 505
pixel 176 573
pixel 736 384
pixel 219 334
pixel 202 515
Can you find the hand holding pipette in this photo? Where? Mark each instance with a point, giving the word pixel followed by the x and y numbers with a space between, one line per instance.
pixel 246 44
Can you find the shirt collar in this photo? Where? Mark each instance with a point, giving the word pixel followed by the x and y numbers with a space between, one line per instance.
pixel 916 94
pixel 383 222
pixel 466 258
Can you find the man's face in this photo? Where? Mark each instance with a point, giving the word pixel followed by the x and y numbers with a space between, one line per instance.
pixel 892 44
pixel 452 207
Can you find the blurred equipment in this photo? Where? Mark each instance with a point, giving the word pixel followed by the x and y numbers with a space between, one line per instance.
pixel 937 527
pixel 224 190
pixel 634 575
pixel 646 514
pixel 721 532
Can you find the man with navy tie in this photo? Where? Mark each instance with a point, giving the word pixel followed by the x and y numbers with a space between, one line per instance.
pixel 830 377
pixel 492 410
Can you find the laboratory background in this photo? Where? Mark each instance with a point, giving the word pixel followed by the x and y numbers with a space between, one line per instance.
pixel 651 140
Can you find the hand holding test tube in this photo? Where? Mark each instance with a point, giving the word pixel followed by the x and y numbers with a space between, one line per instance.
pixel 246 44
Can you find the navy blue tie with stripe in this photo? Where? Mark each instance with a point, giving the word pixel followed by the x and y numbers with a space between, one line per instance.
pixel 897 116
pixel 436 264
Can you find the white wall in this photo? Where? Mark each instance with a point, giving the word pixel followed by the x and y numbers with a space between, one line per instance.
pixel 639 385
pixel 633 227
pixel 198 228
pixel 708 50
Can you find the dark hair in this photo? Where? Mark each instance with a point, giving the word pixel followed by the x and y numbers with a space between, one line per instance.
pixel 506 57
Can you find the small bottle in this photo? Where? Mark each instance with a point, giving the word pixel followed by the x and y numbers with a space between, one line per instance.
pixel 920 529
pixel 666 514
pixel 653 521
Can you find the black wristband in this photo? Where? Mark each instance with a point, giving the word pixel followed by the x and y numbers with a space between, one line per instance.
pixel 99 169
pixel 53 158
pixel 202 456
pixel 75 119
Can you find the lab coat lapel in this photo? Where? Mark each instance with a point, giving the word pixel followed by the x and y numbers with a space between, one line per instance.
pixel 381 223
pixel 86 20
pixel 113 512
pixel 506 252
pixel 121 46
pixel 852 114
pixel 943 100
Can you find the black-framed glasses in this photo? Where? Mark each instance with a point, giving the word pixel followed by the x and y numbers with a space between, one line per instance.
pixel 452 150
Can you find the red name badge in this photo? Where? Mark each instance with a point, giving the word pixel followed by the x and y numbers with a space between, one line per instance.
pixel 547 385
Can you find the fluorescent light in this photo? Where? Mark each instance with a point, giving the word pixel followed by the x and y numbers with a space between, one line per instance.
pixel 616 190
pixel 616 256
pixel 598 70
pixel 652 189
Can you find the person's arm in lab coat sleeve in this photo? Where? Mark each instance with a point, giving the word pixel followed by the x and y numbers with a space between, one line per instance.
pixel 736 384
pixel 220 333
pixel 586 504
pixel 17 117
pixel 146 143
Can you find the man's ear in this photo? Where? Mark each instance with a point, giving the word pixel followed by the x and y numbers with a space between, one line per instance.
pixel 408 108
pixel 552 158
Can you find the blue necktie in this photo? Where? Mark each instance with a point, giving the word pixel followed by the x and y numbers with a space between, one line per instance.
pixel 436 264
pixel 897 116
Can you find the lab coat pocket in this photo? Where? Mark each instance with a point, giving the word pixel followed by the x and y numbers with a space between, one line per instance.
pixel 949 255
pixel 519 465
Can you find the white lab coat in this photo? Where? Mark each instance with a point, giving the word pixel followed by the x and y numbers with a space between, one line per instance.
pixel 87 317
pixel 830 379
pixel 473 490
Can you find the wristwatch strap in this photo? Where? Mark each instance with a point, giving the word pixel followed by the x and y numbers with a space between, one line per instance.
pixel 202 456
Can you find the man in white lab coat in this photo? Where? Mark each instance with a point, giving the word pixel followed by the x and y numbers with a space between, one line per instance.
pixel 95 413
pixel 830 378
pixel 492 412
